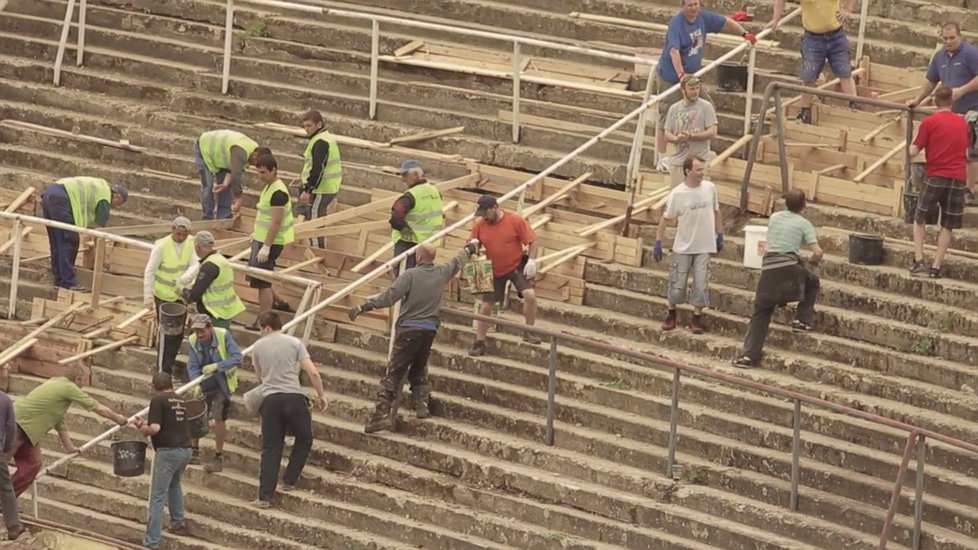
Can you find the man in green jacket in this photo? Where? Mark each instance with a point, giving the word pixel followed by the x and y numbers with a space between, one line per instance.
pixel 222 157
pixel 322 170
pixel 82 202
pixel 417 214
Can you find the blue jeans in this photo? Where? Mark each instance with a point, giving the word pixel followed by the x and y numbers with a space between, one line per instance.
pixel 207 200
pixel 168 465
pixel 816 49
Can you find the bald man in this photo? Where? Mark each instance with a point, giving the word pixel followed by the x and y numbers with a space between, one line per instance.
pixel 421 290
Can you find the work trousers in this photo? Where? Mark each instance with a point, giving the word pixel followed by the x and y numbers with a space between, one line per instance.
pixel 64 244
pixel 281 412
pixel 208 201
pixel 399 248
pixel 412 347
pixel 27 457
pixel 317 209
pixel 169 464
pixel 760 320
pixel 168 348
pixel 11 518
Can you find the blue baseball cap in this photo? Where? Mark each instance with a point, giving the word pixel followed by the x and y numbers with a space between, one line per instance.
pixel 121 190
pixel 408 165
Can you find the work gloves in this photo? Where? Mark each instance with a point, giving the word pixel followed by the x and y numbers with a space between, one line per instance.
pixel 209 369
pixel 472 246
pixel 530 271
pixel 357 310
pixel 657 251
pixel 263 253
pixel 750 37
pixel 719 242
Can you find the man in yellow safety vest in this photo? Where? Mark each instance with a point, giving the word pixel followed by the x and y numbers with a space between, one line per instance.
pixel 273 230
pixel 172 265
pixel 222 157
pixel 417 214
pixel 213 291
pixel 322 170
pixel 213 351
pixel 82 202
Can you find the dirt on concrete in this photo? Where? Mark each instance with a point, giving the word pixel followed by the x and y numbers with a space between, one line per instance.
pixel 38 538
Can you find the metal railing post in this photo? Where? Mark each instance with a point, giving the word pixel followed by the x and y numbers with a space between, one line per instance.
pixel 228 43
pixel 673 423
pixel 18 236
pixel 795 455
pixel 80 49
pixel 782 153
pixel 374 65
pixel 755 143
pixel 551 390
pixel 63 43
pixel 861 40
pixel 749 99
pixel 517 71
pixel 918 501
pixel 638 142
pixel 895 497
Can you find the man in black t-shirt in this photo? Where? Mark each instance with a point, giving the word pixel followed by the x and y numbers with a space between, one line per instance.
pixel 167 427
pixel 272 231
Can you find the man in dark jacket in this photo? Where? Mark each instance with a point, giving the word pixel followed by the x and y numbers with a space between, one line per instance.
pixel 417 214
pixel 421 291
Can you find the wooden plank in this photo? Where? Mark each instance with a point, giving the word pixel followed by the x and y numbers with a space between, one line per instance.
pixel 408 48
pixel 121 144
pixel 20 200
pixel 426 135
pixel 558 195
pixel 880 161
pixel 160 228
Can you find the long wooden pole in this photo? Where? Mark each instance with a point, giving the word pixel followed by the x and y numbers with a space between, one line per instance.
pixel 556 196
pixel 637 208
pixel 880 161
pixel 100 349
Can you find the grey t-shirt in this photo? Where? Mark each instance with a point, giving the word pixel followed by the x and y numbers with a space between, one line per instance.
pixel 692 118
pixel 277 355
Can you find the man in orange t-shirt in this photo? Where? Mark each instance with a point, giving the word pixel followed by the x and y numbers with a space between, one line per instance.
pixel 504 234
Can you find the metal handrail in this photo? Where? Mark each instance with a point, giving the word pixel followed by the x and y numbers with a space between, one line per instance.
pixel 916 435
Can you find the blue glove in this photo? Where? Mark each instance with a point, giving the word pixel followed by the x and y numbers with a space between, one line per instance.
pixel 719 242
pixel 657 251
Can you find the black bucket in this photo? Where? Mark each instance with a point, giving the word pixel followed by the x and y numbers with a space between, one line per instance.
pixel 865 249
pixel 129 458
pixel 910 210
pixel 197 421
pixel 173 318
pixel 732 77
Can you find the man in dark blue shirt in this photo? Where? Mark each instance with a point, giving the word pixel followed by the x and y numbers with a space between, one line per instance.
pixel 956 66
pixel 683 53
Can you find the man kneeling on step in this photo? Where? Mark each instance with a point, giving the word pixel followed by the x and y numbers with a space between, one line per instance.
pixel 421 290
pixel 213 351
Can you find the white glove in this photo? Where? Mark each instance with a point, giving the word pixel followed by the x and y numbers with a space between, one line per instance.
pixel 475 242
pixel 264 253
pixel 530 271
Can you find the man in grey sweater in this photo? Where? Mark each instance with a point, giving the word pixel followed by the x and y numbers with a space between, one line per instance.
pixel 420 290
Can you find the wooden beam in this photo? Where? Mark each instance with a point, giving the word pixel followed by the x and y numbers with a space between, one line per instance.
pixel 831 83
pixel 134 317
pixel 879 130
pixel 640 206
pixel 830 169
pixel 20 347
pixel 898 93
pixel 729 151
pixel 100 349
pixel 121 144
pixel 564 256
pixel 20 200
pixel 302 264
pixel 6 246
pixel 346 229
pixel 426 135
pixel 810 144
pixel 409 48
pixel 556 196
pixel 97 270
pixel 31 336
pixel 880 161
pixel 158 228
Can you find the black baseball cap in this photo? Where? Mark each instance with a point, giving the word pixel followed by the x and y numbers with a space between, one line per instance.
pixel 486 203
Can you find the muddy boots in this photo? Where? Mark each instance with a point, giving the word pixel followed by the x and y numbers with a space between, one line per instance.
pixel 381 419
pixel 422 401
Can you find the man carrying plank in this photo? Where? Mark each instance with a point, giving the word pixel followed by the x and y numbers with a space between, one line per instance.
pixel 699 233
pixel 417 214
pixel 83 202
pixel 213 291
pixel 272 232
pixel 421 290
pixel 172 266
pixel 221 157
pixel 322 170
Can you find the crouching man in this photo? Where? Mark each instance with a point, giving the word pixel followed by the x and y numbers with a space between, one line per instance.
pixel 421 291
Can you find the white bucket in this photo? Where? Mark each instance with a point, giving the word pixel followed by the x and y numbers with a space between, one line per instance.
pixel 755 243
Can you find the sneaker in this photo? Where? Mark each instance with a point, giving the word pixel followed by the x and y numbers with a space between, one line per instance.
pixel 799 326
pixel 259 503
pixel 77 288
pixel 478 348
pixel 805 116
pixel 13 533
pixel 282 305
pixel 670 322
pixel 918 268
pixel 217 465
pixel 531 338
pixel 743 362
pixel 286 488
pixel 181 528
pixel 935 273
pixel 663 164
pixel 195 457
pixel 696 325
pixel 855 106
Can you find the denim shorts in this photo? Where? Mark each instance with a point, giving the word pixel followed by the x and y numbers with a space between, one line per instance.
pixel 816 49
pixel 680 268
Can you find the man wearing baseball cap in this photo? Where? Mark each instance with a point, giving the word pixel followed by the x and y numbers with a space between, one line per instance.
pixel 213 290
pixel 83 202
pixel 172 266
pixel 417 214
pixel 213 351
pixel 503 235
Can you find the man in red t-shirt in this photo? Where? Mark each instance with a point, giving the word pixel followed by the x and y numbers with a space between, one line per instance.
pixel 504 234
pixel 946 137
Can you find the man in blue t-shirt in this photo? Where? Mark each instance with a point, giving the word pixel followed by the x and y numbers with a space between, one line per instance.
pixel 956 66
pixel 683 53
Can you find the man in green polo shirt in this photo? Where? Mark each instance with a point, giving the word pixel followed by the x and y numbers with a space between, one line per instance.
pixel 222 157
pixel 45 408
pixel 82 202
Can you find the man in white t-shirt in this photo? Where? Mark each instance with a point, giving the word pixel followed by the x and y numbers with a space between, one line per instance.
pixel 695 206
